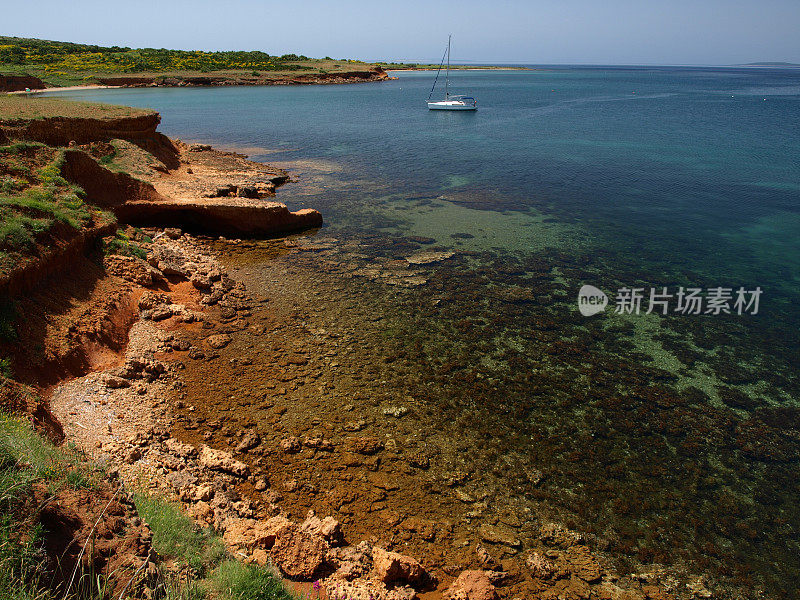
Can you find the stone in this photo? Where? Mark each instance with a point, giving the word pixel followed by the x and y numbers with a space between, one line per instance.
pixel 161 312
pixel 116 383
pixel 200 281
pixel 299 554
pixel 318 444
pixel 351 562
pixel 181 479
pixel 365 445
pixel 290 445
pixel 540 567
pixel 336 589
pixel 249 441
pixel 391 567
pixel 583 563
pixel 471 585
pixel 133 455
pixel 202 493
pixel 150 300
pixel 218 341
pixel 180 449
pixel 328 528
pixel 395 411
pixel 428 257
pixel 219 460
pixel 495 534
pixel 248 534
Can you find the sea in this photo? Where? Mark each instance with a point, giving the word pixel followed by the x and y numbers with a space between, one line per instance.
pixel 591 285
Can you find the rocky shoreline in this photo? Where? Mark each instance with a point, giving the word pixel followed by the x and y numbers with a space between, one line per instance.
pixel 123 348
pixel 135 415
pixel 29 84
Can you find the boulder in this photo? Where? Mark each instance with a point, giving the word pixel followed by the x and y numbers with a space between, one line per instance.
pixel 218 341
pixel 328 528
pixel 351 562
pixel 471 585
pixel 393 568
pixel 337 589
pixel 499 535
pixel 290 445
pixel 249 441
pixel 249 534
pixel 219 460
pixel 299 554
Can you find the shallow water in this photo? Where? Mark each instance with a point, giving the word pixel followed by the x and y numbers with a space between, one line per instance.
pixel 667 439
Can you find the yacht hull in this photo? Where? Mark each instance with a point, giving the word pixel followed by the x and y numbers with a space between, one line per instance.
pixel 451 106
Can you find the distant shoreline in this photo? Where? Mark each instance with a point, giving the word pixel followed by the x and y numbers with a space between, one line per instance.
pixel 462 68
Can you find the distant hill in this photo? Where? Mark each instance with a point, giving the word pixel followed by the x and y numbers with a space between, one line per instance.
pixel 771 64
pixel 88 57
pixel 67 63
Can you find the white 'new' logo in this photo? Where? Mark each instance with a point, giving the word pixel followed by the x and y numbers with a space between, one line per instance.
pixel 591 300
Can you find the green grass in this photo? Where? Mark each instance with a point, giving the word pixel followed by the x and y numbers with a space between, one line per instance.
pixel 175 535
pixel 205 571
pixel 219 576
pixel 238 581
pixel 122 244
pixel 24 108
pixel 27 458
pixel 27 214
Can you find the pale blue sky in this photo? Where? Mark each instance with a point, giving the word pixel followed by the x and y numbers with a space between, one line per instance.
pixel 547 31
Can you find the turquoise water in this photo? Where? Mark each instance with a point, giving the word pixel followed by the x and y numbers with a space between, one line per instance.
pixel 673 439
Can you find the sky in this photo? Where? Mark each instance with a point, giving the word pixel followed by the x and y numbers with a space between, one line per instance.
pixel 667 32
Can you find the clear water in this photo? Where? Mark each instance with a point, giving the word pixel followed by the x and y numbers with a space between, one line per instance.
pixel 673 439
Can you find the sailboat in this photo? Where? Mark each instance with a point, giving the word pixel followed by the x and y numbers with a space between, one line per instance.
pixel 450 102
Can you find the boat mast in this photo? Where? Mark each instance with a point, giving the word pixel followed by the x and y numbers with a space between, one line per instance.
pixel 447 76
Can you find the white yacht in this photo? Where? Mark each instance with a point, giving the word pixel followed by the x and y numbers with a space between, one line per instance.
pixel 450 102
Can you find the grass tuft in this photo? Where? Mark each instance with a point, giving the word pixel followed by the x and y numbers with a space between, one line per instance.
pixel 238 581
pixel 175 535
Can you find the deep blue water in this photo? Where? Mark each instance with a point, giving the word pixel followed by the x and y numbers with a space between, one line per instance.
pixel 681 434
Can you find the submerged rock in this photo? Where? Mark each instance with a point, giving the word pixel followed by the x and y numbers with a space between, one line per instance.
pixel 428 257
pixel 471 585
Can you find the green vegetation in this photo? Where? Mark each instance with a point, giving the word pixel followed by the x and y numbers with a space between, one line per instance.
pixel 215 573
pixel 237 581
pixel 8 315
pixel 51 201
pixel 175 535
pixel 20 108
pixel 122 244
pixel 66 56
pixel 25 459
pixel 67 63
pixel 194 563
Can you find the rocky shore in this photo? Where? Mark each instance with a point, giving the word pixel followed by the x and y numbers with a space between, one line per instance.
pixel 339 77
pixel 137 413
pixel 25 83
pixel 127 350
